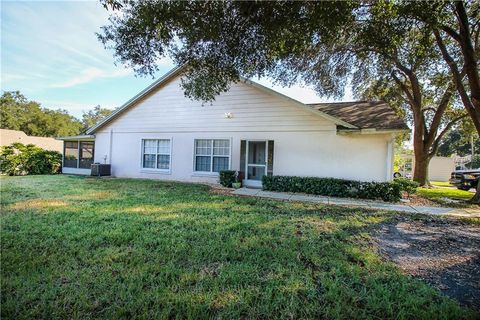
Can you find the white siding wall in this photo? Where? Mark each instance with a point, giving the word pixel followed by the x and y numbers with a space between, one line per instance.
pixel 80 171
pixel 168 110
pixel 440 168
pixel 305 143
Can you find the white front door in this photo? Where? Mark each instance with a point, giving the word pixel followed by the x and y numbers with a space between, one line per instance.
pixel 256 163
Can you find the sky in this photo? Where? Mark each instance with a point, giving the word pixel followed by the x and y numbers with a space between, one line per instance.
pixel 50 53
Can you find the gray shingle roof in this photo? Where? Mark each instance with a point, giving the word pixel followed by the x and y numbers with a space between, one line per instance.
pixel 363 114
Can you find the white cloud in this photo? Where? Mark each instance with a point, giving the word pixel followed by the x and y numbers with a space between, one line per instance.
pixel 91 74
pixel 12 77
pixel 62 46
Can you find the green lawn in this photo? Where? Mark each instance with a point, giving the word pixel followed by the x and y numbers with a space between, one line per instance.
pixel 436 193
pixel 441 190
pixel 74 247
pixel 441 183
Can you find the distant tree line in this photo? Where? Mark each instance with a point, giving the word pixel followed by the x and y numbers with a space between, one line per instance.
pixel 19 113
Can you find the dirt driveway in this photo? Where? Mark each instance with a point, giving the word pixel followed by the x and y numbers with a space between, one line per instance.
pixel 443 252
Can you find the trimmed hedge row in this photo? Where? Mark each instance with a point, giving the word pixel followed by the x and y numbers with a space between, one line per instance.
pixel 387 191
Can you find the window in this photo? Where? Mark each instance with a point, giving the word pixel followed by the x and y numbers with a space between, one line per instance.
pixel 70 154
pixel 156 154
pixel 212 155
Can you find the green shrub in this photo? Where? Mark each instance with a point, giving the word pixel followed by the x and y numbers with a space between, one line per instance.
pixel 387 191
pixel 407 185
pixel 19 159
pixel 227 177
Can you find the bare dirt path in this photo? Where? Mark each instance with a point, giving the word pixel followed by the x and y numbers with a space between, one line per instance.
pixel 443 252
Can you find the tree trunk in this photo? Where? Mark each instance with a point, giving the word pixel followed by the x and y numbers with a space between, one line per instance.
pixel 476 197
pixel 471 67
pixel 470 62
pixel 420 172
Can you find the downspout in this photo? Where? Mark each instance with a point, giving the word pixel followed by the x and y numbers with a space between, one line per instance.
pixel 110 141
pixel 78 154
pixel 390 151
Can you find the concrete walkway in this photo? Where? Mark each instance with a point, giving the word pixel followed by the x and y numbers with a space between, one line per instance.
pixel 469 213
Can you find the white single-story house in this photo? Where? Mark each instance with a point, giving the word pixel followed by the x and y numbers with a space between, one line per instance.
pixel 162 134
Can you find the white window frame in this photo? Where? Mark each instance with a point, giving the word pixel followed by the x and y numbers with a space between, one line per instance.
pixel 211 155
pixel 142 156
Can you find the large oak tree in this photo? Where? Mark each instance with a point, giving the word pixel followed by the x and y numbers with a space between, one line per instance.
pixel 456 26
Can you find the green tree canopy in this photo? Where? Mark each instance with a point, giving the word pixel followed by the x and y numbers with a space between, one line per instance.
pixel 93 116
pixel 18 113
pixel 221 41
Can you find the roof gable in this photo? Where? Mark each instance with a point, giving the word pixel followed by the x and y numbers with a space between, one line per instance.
pixel 176 71
pixel 350 115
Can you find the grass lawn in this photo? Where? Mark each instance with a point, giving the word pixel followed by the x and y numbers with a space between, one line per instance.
pixel 440 190
pixel 441 184
pixel 437 193
pixel 74 247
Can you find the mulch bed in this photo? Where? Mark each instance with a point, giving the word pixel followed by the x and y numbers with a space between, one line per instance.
pixel 416 200
pixel 218 189
pixel 443 252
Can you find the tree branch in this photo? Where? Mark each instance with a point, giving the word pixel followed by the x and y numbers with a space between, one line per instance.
pixel 457 78
pixel 416 92
pixel 399 65
pixel 437 118
pixel 403 87
pixel 452 33
pixel 470 62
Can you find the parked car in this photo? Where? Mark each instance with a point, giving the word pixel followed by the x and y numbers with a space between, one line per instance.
pixel 465 179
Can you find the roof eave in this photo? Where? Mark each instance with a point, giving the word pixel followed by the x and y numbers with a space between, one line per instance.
pixel 371 131
pixel 79 137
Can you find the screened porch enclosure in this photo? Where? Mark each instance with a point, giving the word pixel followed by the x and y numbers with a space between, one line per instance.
pixel 78 154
